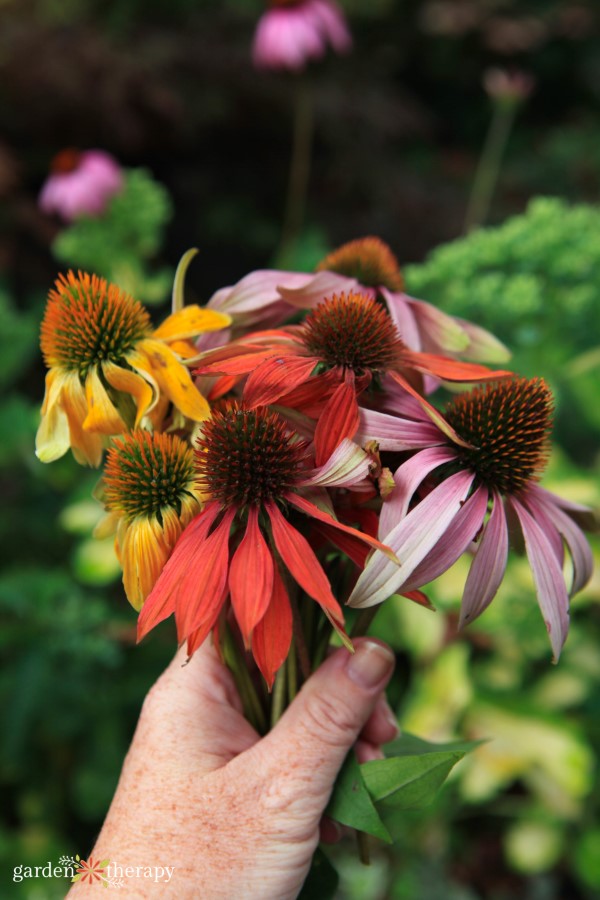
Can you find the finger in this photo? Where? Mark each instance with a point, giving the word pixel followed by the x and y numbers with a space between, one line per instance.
pixel 330 832
pixel 307 747
pixel 381 726
pixel 366 752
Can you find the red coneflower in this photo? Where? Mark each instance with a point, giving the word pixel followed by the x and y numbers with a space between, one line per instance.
pixel 254 474
pixel 323 365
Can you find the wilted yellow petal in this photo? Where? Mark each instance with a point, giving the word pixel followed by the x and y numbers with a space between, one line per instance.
pixel 130 383
pixel 87 446
pixel 102 415
pixel 52 438
pixel 175 380
pixel 190 321
pixel 143 555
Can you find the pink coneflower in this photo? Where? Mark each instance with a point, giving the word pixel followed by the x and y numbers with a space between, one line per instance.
pixel 293 32
pixel 507 426
pixel 81 184
pixel 256 478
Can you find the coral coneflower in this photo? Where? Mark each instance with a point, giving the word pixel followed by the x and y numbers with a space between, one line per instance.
pixel 293 32
pixel 505 428
pixel 81 184
pixel 109 368
pixel 324 364
pixel 150 493
pixel 255 476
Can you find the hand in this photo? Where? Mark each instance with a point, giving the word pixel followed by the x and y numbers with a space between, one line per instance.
pixel 236 815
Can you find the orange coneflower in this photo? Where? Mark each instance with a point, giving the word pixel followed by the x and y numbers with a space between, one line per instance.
pixel 109 368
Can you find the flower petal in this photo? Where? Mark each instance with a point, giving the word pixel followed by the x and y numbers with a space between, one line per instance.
pixel 488 567
pixel 102 415
pixel 174 380
pixel 87 446
pixel 580 550
pixel 316 289
pixel 452 369
pixel 411 540
pixel 131 383
pixel 299 558
pixel 396 433
pixel 143 553
pixel 407 479
pixel 189 322
pixel 431 411
pixel 339 420
pixel 402 317
pixel 52 439
pixel 453 542
pixel 311 510
pixel 161 602
pixel 440 333
pixel 251 577
pixel 272 636
pixel 274 377
pixel 548 577
pixel 348 465
pixel 483 345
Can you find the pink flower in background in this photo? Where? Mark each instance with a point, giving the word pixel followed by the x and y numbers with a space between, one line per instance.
pixel 81 184
pixel 293 32
pixel 507 428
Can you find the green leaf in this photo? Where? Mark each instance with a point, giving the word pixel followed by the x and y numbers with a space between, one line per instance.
pixel 322 879
pixel 351 803
pixel 411 745
pixel 408 782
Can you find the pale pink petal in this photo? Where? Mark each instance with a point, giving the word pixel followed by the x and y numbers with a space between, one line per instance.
pixel 483 345
pixel 333 24
pixel 411 540
pixel 348 465
pixel 403 317
pixel 453 542
pixel 320 286
pixel 395 433
pixel 539 512
pixel 440 333
pixel 548 577
pixel 488 567
pixel 581 553
pixel 584 516
pixel 255 292
pixel 407 479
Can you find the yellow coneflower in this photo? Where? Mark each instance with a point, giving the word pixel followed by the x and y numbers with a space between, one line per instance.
pixel 109 368
pixel 150 493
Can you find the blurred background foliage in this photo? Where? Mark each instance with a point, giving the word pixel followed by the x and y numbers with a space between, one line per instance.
pixel 169 90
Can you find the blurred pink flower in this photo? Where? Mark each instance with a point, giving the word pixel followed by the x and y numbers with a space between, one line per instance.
pixel 292 32
pixel 81 184
pixel 508 87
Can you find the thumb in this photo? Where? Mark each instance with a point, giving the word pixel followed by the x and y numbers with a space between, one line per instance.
pixel 308 745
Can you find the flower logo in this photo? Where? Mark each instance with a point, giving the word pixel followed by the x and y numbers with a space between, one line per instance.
pixel 91 871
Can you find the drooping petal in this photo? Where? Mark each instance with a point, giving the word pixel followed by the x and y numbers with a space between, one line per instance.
pixel 161 602
pixel 87 446
pixel 102 416
pixel 453 542
pixel 190 321
pixel 52 439
pixel 440 333
pixel 584 516
pixel 483 346
pixel 143 553
pixel 298 556
pixel 320 286
pixel 245 359
pixel 548 577
pixel 251 577
pixel 348 465
pixel 488 567
pixel 255 293
pixel 580 550
pixel 272 636
pixel 310 509
pixel 339 420
pixel 431 411
pixel 131 383
pixel 452 369
pixel 274 377
pixel 197 637
pixel 174 380
pixel 402 317
pixel 200 591
pixel 395 432
pixel 411 540
pixel 407 479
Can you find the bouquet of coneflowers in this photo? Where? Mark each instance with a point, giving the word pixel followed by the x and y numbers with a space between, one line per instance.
pixel 279 458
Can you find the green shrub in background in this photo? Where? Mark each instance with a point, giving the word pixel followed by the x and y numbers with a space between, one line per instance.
pixel 121 244
pixel 534 281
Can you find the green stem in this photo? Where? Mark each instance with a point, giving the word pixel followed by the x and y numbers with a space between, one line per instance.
pixel 303 127
pixel 299 639
pixel 490 162
pixel 364 849
pixel 236 663
pixel 278 697
pixel 363 621
pixel 292 673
